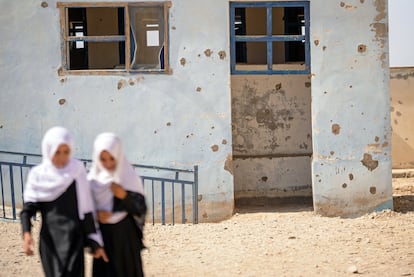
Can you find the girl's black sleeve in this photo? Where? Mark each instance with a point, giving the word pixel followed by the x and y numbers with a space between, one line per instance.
pixel 133 203
pixel 88 224
pixel 28 211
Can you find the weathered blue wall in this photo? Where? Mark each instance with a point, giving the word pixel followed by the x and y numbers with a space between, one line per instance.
pixel 351 165
pixel 184 118
pixel 178 120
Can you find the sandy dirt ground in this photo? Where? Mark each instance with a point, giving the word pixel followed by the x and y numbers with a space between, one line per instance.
pixel 265 241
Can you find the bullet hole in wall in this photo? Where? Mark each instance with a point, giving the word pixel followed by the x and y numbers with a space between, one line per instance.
pixel 62 101
pixel 215 148
pixel 362 48
pixel 336 128
pixel 351 176
pixel 222 54
pixel 208 52
pixel 121 84
pixel 44 4
pixel 182 61
pixel 278 86
pixel 368 162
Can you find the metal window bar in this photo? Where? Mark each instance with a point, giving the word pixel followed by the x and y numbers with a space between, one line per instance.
pixel 269 38
pixel 19 161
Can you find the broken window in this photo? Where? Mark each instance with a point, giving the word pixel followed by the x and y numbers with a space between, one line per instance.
pixel 270 37
pixel 114 37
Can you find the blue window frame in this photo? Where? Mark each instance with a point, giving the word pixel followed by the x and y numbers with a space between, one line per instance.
pixel 270 37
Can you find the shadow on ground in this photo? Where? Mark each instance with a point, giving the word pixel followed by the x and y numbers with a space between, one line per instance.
pixel 404 203
pixel 278 205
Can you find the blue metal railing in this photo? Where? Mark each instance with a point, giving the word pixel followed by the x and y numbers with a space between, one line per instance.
pixel 160 183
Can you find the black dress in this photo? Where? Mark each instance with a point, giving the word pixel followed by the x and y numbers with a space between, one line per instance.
pixel 123 240
pixel 62 233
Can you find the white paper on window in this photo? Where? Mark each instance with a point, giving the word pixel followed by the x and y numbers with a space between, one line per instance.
pixel 153 38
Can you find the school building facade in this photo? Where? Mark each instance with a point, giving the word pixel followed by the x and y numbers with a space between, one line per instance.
pixel 271 99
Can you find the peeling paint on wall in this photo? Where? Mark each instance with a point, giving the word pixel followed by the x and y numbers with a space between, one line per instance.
pixel 350 112
pixel 137 106
pixel 228 165
pixel 271 120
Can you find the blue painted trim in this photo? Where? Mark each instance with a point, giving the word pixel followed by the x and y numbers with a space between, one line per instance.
pixel 269 30
pixel 261 72
pixel 232 39
pixel 269 4
pixel 269 38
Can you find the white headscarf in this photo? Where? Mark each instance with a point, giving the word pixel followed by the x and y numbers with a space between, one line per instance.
pixel 101 179
pixel 46 183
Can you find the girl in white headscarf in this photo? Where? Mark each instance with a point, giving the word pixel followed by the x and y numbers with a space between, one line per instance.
pixel 58 188
pixel 120 203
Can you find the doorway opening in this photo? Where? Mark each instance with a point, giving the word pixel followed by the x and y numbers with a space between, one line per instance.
pixel 271 105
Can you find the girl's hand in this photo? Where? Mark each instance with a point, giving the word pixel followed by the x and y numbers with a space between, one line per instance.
pixel 103 216
pixel 100 253
pixel 118 191
pixel 28 244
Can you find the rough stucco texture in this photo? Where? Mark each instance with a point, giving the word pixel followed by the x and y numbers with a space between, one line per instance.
pixel 350 108
pixel 271 135
pixel 163 120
